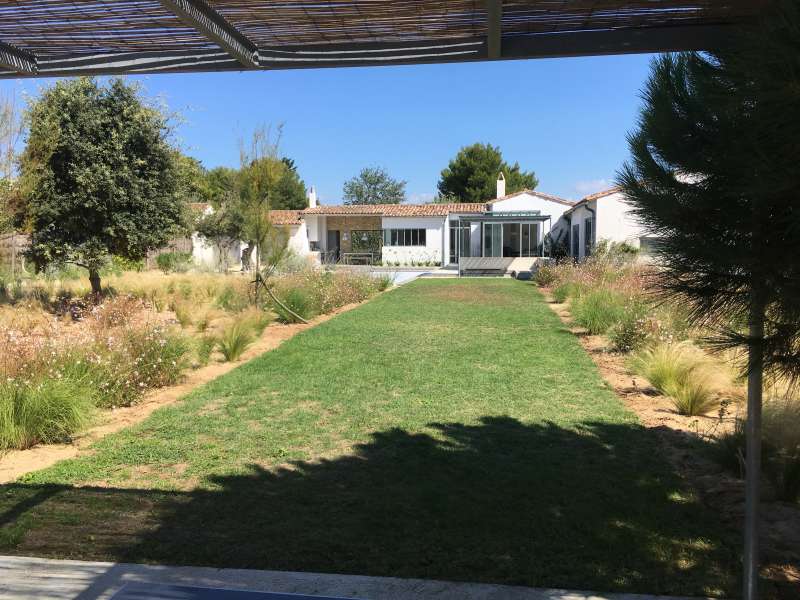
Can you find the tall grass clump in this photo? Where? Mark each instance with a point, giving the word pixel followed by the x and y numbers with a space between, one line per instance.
pixel 564 291
pixel 780 452
pixel 598 310
pixel 204 348
pixel 234 340
pixel 680 372
pixel 46 411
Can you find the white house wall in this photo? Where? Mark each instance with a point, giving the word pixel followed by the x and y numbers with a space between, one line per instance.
pixel 298 239
pixel 615 222
pixel 434 240
pixel 315 227
pixel 579 217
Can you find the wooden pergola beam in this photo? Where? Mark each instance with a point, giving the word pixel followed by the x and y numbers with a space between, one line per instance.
pixel 18 60
pixel 198 15
pixel 494 26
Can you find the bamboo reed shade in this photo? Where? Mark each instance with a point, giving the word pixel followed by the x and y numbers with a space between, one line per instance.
pixel 106 36
pixel 303 22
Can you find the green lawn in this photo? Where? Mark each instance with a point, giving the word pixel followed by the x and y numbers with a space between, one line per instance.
pixel 448 429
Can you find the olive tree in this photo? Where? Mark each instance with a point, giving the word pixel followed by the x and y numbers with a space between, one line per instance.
pixel 98 176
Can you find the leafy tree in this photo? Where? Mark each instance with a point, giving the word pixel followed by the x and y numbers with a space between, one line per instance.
pixel 290 191
pixel 714 174
pixel 374 185
pixel 10 132
pixel 98 176
pixel 193 182
pixel 472 175
pixel 221 182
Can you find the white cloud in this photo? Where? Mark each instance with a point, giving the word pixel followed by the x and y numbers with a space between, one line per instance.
pixel 584 188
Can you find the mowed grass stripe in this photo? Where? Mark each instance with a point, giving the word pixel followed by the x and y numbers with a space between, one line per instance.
pixel 447 429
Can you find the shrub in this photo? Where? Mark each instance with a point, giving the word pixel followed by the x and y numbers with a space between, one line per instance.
pixel 545 276
pixel 47 411
pixel 174 262
pixel 631 332
pixel 299 301
pixel 160 356
pixel 598 310
pixel 780 452
pixel 235 340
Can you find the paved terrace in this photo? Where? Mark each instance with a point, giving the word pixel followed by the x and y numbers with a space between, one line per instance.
pixel 23 578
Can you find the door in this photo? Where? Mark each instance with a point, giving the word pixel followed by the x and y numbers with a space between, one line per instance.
pixel 333 245
pixel 492 239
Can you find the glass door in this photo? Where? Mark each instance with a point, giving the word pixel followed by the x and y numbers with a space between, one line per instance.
pixel 511 240
pixel 492 239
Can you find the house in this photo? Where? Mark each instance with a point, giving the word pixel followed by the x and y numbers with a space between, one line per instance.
pixel 605 215
pixel 510 226
pixel 509 233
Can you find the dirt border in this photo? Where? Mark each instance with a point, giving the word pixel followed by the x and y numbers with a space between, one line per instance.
pixel 780 523
pixel 15 463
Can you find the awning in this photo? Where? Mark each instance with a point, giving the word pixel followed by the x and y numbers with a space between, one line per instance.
pixel 72 37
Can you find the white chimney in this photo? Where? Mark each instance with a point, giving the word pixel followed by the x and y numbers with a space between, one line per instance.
pixel 501 185
pixel 312 197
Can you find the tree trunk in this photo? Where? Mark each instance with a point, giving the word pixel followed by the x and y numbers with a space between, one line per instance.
pixel 247 254
pixel 94 279
pixel 755 367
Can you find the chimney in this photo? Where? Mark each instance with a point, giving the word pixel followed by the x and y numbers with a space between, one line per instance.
pixel 312 197
pixel 501 185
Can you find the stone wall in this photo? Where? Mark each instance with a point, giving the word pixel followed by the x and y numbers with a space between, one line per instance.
pixel 346 225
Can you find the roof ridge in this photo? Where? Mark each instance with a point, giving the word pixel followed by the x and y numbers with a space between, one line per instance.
pixel 534 192
pixel 600 194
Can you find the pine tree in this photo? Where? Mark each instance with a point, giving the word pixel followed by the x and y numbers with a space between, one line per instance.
pixel 715 176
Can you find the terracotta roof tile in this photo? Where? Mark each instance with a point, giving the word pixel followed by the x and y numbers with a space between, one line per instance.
pixel 602 194
pixel 397 210
pixel 286 217
pixel 593 197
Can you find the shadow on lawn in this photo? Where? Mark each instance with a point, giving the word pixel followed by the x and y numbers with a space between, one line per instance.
pixel 500 501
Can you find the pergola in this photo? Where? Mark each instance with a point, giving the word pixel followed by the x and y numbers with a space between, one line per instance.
pixel 77 37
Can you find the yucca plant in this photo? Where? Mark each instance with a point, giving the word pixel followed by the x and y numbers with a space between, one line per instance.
pixel 234 340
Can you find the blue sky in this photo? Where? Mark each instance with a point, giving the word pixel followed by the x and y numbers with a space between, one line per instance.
pixel 565 119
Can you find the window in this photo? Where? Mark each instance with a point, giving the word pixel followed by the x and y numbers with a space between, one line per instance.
pixel 588 239
pixel 404 237
pixel 576 240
